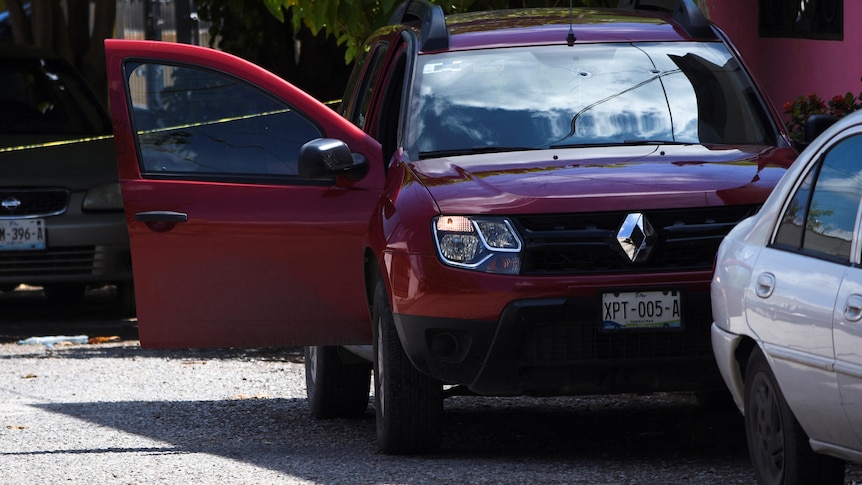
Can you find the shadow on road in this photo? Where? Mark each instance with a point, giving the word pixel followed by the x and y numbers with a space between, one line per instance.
pixel 668 438
pixel 556 439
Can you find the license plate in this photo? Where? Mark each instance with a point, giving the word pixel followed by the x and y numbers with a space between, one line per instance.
pixel 22 234
pixel 640 310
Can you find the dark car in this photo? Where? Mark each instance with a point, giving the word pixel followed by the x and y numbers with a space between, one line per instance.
pixel 510 203
pixel 61 215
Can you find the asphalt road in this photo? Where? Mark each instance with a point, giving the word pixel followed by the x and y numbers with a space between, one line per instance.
pixel 115 413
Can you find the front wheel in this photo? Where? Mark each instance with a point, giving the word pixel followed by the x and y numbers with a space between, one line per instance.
pixel 335 389
pixel 408 404
pixel 777 444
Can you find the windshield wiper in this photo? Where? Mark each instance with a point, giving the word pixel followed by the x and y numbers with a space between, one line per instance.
pixel 472 151
pixel 621 143
pixel 654 142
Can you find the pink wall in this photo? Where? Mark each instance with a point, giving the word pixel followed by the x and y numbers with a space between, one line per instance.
pixel 787 68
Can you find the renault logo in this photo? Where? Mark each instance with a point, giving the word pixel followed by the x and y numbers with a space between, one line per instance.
pixel 636 237
pixel 11 204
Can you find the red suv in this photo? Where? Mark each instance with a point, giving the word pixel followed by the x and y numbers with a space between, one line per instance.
pixel 508 203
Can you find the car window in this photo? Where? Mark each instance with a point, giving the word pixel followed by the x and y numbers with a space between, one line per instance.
pixel 41 96
pixel 545 96
pixel 388 119
pixel 194 121
pixel 821 216
pixel 348 103
pixel 369 81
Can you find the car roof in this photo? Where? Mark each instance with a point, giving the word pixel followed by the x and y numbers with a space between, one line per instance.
pixel 633 21
pixel 550 26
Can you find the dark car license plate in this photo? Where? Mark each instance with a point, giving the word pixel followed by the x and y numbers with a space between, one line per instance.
pixel 22 234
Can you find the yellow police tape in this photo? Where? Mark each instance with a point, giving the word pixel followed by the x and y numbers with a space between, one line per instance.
pixel 54 143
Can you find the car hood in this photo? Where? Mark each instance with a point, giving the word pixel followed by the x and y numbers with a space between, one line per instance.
pixel 39 161
pixel 603 178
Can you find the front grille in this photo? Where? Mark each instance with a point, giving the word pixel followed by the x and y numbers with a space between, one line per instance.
pixel 32 202
pixel 560 343
pixel 557 336
pixel 67 261
pixel 687 239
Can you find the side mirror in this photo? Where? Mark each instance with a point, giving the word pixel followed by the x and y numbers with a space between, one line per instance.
pixel 330 158
pixel 817 124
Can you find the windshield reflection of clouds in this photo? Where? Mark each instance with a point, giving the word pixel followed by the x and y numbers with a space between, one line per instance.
pixel 535 97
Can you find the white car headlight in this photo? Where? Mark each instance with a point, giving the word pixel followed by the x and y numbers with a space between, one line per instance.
pixel 103 197
pixel 480 243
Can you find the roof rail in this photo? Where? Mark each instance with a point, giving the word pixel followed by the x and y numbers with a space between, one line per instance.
pixel 684 11
pixel 433 34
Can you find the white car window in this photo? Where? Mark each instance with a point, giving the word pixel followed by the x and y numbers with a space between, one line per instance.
pixel 821 216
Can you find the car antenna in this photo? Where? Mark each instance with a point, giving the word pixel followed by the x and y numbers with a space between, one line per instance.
pixel 570 39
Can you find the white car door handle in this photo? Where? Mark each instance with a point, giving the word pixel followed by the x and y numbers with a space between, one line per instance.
pixel 765 285
pixel 853 308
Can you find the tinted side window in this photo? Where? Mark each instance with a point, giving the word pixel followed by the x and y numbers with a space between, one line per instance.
pixel 360 110
pixel 822 215
pixel 390 108
pixel 193 121
pixel 348 102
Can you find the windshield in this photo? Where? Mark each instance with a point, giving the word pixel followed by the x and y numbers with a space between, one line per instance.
pixel 597 94
pixel 39 96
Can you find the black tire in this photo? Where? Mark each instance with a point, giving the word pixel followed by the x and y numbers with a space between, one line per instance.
pixel 408 404
pixel 777 444
pixel 335 389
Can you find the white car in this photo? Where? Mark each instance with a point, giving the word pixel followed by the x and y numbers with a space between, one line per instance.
pixel 787 309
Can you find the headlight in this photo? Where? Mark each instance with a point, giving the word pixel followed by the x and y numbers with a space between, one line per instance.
pixel 103 198
pixel 488 244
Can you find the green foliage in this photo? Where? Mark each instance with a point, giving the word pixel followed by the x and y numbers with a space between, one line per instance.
pixel 241 28
pixel 350 22
pixel 248 30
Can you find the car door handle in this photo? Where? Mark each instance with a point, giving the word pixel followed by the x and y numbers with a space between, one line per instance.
pixel 765 285
pixel 161 221
pixel 161 216
pixel 853 308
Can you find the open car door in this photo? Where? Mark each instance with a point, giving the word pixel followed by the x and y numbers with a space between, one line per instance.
pixel 231 247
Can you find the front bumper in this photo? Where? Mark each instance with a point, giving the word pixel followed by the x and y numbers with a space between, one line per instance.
pixel 81 248
pixel 555 346
pixel 724 346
